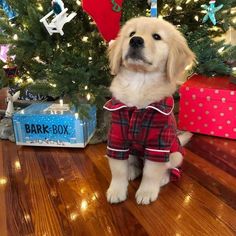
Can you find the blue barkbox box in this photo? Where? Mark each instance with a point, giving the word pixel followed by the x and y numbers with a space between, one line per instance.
pixel 50 124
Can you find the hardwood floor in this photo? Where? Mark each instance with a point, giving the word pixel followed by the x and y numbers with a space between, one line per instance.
pixel 61 191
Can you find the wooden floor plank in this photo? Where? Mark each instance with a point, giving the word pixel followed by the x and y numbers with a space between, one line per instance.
pixel 17 200
pixel 43 214
pixel 3 181
pixel 60 191
pixel 198 213
pixel 216 180
pixel 219 209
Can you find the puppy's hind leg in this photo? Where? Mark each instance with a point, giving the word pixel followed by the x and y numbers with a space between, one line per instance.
pixel 176 159
pixel 117 191
pixel 135 167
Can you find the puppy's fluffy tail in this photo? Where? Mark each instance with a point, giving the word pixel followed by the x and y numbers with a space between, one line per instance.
pixel 184 137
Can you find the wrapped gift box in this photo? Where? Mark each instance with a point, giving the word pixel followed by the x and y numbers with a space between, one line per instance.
pixel 208 106
pixel 50 124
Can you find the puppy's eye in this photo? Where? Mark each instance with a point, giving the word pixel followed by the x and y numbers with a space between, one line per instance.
pixel 156 36
pixel 132 34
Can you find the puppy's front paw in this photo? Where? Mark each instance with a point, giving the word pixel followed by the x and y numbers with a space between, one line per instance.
pixel 147 194
pixel 116 193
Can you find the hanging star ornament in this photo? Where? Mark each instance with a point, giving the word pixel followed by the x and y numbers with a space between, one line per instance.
pixel 211 10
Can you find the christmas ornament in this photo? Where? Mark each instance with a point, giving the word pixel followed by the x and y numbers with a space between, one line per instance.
pixel 11 99
pixel 7 9
pixel 3 52
pixel 57 6
pixel 106 14
pixel 211 10
pixel 60 17
pixel 10 68
pixel 153 11
pixel 10 71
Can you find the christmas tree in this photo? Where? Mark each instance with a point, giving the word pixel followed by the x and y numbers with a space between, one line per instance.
pixel 72 65
pixel 75 66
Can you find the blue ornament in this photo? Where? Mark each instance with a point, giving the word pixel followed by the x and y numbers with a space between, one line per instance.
pixel 57 6
pixel 211 10
pixel 154 12
pixel 7 9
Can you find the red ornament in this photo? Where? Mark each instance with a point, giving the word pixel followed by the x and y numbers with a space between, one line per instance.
pixel 11 71
pixel 106 14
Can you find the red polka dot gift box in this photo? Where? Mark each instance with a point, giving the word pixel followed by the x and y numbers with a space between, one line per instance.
pixel 208 106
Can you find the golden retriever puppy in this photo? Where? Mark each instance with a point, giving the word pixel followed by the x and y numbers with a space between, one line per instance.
pixel 146 58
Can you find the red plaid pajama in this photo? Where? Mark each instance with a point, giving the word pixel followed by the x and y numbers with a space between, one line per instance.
pixel 148 133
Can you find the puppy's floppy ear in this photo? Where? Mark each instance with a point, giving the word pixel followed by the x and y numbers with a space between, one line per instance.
pixel 115 55
pixel 180 56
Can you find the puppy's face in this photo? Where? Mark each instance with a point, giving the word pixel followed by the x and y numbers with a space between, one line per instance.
pixel 150 45
pixel 145 46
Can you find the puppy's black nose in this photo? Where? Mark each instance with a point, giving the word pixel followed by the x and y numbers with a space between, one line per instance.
pixel 136 42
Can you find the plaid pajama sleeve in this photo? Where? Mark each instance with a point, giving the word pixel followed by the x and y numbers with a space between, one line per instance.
pixel 118 146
